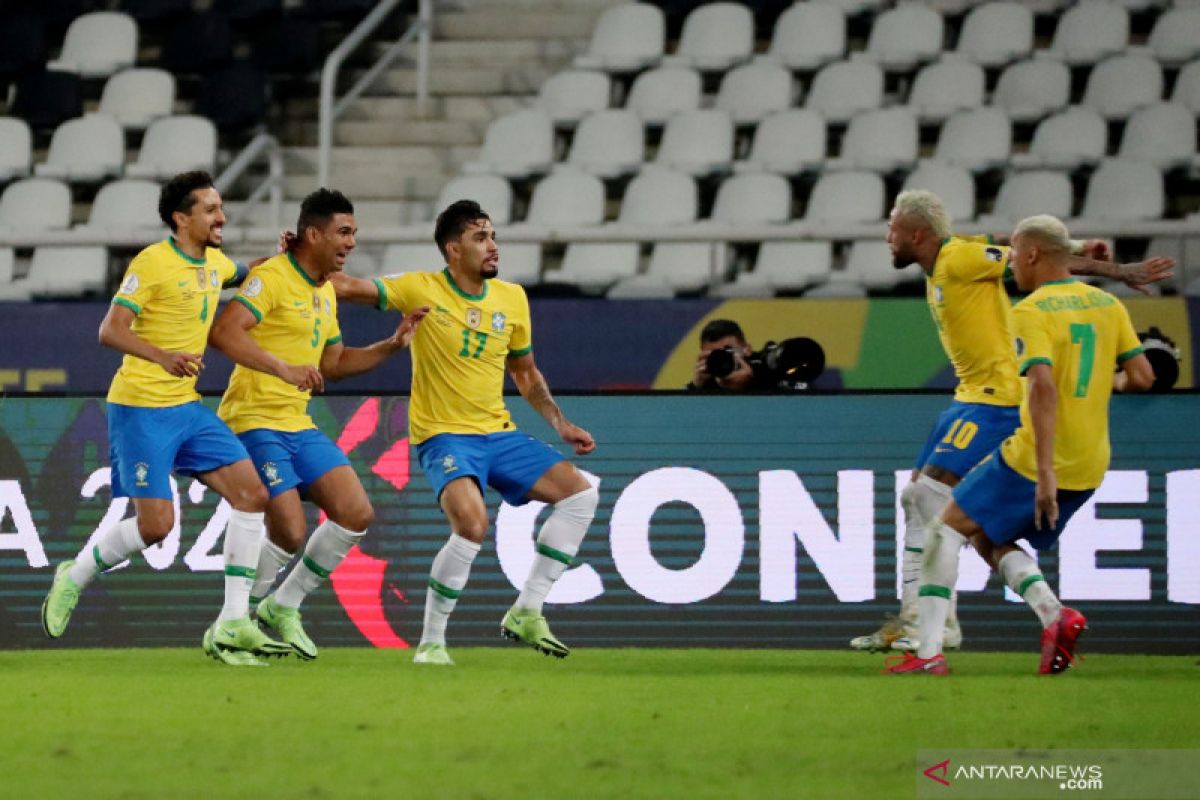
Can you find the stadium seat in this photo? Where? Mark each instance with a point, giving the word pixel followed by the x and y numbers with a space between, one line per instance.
pixel 125 207
pixel 698 142
pixel 953 184
pixel 35 204
pixel 197 42
pixel 753 199
pixel 978 139
pixel 1089 32
pixel 521 262
pixel 1024 194
pixel 137 97
pixel 715 37
pixel 687 266
pixel 880 140
pixel 68 272
pixel 846 197
pixel 492 192
pixel 412 257
pixel 1175 37
pixel 98 44
pixel 1124 191
pixel 1123 83
pixel 839 287
pixel 173 145
pixel 750 92
pixel 7 263
pixel 516 145
pixel 994 34
pixel 236 97
pixel 807 36
pixel 787 143
pixel 844 88
pixel 22 46
pixel 1029 90
pixel 250 12
pixel 857 6
pixel 792 266
pixel 290 45
pixel 944 87
pixel 570 95
pixel 1162 134
pixel 16 148
pixel 608 143
pixel 905 36
pixel 46 99
pixel 1074 137
pixel 595 266
pixel 626 38
pixel 85 150
pixel 1187 87
pixel 869 263
pixel 658 94
pixel 641 287
pixel 567 196
pixel 660 198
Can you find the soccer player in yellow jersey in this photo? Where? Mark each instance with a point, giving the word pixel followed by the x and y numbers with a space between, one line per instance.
pixel 967 297
pixel 283 334
pixel 1068 336
pixel 479 327
pixel 160 319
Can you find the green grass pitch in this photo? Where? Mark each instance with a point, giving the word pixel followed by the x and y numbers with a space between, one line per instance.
pixel 509 723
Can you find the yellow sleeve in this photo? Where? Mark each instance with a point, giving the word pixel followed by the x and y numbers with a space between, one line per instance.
pixel 335 327
pixel 257 294
pixel 1031 338
pixel 521 342
pixel 980 261
pixel 395 292
pixel 139 285
pixel 1128 342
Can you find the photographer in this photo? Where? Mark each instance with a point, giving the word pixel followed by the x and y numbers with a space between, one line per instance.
pixel 726 335
pixel 726 362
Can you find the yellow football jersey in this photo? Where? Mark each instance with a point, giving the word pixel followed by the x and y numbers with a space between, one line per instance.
pixel 459 351
pixel 972 312
pixel 297 319
pixel 175 299
pixel 1081 332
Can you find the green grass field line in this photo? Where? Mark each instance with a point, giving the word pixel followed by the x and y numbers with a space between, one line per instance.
pixel 508 723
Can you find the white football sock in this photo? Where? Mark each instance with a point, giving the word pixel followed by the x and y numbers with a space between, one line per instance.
pixel 271 559
pixel 243 540
pixel 910 560
pixel 939 573
pixel 557 544
pixel 1022 575
pixel 447 577
pixel 325 550
pixel 114 546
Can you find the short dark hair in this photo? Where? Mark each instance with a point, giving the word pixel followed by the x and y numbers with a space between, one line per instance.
pixel 457 217
pixel 718 329
pixel 319 207
pixel 177 194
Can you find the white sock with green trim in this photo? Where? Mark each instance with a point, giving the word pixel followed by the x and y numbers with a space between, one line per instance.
pixel 557 544
pixel 447 578
pixel 939 573
pixel 1022 575
pixel 271 559
pixel 243 540
pixel 325 550
pixel 925 499
pixel 114 546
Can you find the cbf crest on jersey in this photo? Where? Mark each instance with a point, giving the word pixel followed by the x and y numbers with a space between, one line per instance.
pixel 201 277
pixel 498 321
pixel 213 279
pixel 474 317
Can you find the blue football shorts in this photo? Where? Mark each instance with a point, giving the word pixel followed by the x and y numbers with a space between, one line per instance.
pixel 289 460
pixel 965 433
pixel 510 461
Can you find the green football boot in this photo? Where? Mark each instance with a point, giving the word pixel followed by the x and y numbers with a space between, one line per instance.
pixel 60 601
pixel 242 634
pixel 234 658
pixel 530 627
pixel 433 653
pixel 286 623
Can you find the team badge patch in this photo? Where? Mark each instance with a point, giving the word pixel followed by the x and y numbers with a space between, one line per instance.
pixel 937 294
pixel 130 285
pixel 474 317
pixel 140 471
pixel 253 287
pixel 201 277
pixel 498 321
pixel 328 309
pixel 213 280
pixel 995 254
pixel 448 465
pixel 316 304
pixel 271 473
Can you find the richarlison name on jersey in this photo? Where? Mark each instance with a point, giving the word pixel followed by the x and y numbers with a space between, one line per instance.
pixel 1075 302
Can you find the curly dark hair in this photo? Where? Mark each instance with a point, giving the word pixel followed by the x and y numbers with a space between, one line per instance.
pixel 457 217
pixel 319 207
pixel 178 194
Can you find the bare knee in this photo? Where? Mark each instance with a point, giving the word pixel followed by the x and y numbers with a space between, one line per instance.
pixel 154 527
pixel 357 517
pixel 473 529
pixel 251 498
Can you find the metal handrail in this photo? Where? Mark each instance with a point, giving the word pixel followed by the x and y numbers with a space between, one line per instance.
pixel 272 185
pixel 329 111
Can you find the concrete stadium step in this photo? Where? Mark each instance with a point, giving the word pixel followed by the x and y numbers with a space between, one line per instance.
pixel 386 183
pixel 524 78
pixel 368 213
pixel 401 131
pixel 303 160
pixel 490 52
pixel 463 108
pixel 517 21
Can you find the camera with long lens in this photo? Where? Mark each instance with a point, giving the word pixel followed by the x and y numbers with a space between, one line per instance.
pixel 1164 357
pixel 790 364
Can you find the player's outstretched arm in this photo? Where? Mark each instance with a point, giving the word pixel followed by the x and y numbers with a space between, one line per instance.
pixel 355 290
pixel 1135 375
pixel 231 335
pixel 116 331
pixel 533 387
pixel 1137 275
pixel 339 362
pixel 1043 404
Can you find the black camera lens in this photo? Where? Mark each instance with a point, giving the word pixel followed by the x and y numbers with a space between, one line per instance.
pixel 720 363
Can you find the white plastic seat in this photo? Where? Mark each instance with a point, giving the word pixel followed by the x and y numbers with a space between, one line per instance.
pixel 10 289
pixel 68 271
pixel 1162 134
pixel 415 257
pixel 838 287
pixel 659 197
pixel 608 143
pixel 846 197
pixel 996 33
pixel 516 145
pixel 1124 191
pixel 1175 37
pixel 594 266
pixel 658 94
pixel 567 196
pixel 641 287
pixel 880 140
pixel 125 207
pixel 687 266
pixel 869 263
pixel 1091 31
pixel 792 266
pixel 137 97
pixel 1024 194
pixel 1072 138
pixel 1187 87
pixel 493 193
pixel 570 95
pixel 953 184
pixel 86 149
pixel 978 139
pixel 98 44
pixel 844 88
pixel 750 92
pixel 35 204
pixel 849 7
pixel 16 148
pixel 173 145
pixel 521 262
pixel 715 37
pixel 787 143
pixel 753 199
pixel 905 36
pixel 1029 90
pixel 626 38
pixel 808 35
pixel 946 86
pixel 1119 85
pixel 697 142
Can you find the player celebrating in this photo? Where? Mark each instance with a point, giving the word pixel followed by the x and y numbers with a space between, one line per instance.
pixel 159 319
pixel 283 334
pixel 464 435
pixel 1067 335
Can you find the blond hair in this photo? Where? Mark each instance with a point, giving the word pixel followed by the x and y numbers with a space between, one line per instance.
pixel 1050 232
pixel 926 207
